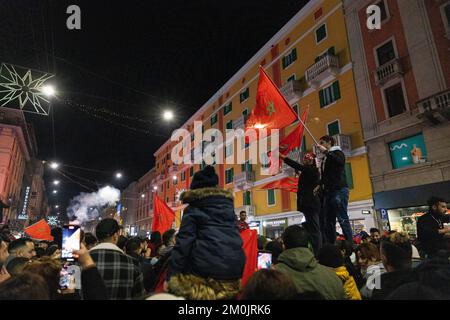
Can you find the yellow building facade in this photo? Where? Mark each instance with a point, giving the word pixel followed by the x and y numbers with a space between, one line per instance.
pixel 309 59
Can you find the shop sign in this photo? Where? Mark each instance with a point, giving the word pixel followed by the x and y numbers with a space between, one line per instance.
pixel 275 223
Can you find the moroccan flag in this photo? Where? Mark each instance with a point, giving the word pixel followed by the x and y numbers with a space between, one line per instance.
pixel 39 231
pixel 163 216
pixel 250 247
pixel 271 111
pixel 294 139
pixel 288 183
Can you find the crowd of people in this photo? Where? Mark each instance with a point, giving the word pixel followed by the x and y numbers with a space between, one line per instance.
pixel 205 260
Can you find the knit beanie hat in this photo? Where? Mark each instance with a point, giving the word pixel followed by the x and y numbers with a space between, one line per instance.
pixel 205 178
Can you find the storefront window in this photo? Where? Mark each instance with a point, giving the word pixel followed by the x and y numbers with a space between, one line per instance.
pixel 407 152
pixel 405 219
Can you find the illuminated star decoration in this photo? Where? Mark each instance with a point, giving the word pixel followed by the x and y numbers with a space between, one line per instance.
pixel 52 221
pixel 23 87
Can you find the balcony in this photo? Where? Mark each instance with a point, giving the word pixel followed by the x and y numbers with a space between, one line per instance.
pixel 435 108
pixel 342 141
pixel 388 71
pixel 292 90
pixel 173 169
pixel 244 180
pixel 251 211
pixel 327 66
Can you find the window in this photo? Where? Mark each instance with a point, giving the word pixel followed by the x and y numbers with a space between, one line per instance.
pixel 175 181
pixel 271 197
pixel 192 136
pixel 395 100
pixel 385 53
pixel 247 199
pixel 330 51
pixel 227 109
pixel 383 10
pixel 329 94
pixel 333 128
pixel 229 150
pixel 289 58
pixel 168 185
pixel 229 174
pixel 246 167
pixel 321 33
pixel 291 78
pixel 349 175
pixel 191 171
pixel 407 152
pixel 183 176
pixel 244 95
pixel 229 124
pixel 213 119
pixel 265 161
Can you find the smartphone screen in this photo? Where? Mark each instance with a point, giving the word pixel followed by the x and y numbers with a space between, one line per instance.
pixel 70 241
pixel 264 260
pixel 67 278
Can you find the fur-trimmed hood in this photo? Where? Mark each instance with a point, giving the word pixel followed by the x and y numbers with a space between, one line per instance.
pixel 199 194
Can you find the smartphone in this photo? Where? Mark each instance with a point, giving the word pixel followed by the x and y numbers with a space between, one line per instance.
pixel 71 239
pixel 264 259
pixel 67 278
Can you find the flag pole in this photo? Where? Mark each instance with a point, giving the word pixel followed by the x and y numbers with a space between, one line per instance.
pixel 307 129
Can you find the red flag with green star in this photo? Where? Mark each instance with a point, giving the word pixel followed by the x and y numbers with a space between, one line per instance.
pixel 271 111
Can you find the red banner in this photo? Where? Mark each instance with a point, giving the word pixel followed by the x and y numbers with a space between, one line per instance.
pixel 250 247
pixel 39 231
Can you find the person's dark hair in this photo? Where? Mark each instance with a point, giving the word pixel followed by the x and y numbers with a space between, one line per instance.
pixel 261 241
pixel 26 286
pixel 365 236
pixel 90 239
pixel 132 245
pixel 328 139
pixel 121 242
pixel 397 249
pixel 155 238
pixel 295 237
pixel 51 250
pixel 16 266
pixel 57 236
pixel 276 248
pixel 268 284
pixel 167 236
pixel 243 211
pixel 40 252
pixel 49 269
pixel 17 244
pixel 346 246
pixel 435 201
pixel 330 256
pixel 373 230
pixel 369 251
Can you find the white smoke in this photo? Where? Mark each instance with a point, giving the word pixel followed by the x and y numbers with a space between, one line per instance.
pixel 87 206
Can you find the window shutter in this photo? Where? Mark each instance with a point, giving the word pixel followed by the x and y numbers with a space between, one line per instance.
pixel 283 62
pixel 336 91
pixel 322 98
pixel 294 54
pixel 349 175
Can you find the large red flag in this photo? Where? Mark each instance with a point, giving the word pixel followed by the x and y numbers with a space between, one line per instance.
pixel 39 231
pixel 271 111
pixel 250 247
pixel 163 216
pixel 288 183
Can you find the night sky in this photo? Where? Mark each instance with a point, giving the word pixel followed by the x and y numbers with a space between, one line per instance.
pixel 133 59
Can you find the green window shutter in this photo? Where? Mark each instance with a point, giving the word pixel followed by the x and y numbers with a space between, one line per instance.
pixel 230 124
pixel 214 119
pixel 321 33
pixel 247 198
pixel 333 128
pixel 294 54
pixel 227 109
pixel 271 197
pixel 243 167
pixel 283 61
pixel 322 98
pixel 349 175
pixel 303 144
pixel 336 91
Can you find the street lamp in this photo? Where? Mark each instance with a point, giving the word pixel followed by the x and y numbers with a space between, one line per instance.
pixel 168 115
pixel 174 177
pixel 118 175
pixel 55 191
pixel 142 195
pixel 54 165
pixel 56 182
pixel 155 188
pixel 48 90
pixel 57 206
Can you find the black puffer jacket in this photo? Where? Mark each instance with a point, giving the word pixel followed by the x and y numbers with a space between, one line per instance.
pixel 208 243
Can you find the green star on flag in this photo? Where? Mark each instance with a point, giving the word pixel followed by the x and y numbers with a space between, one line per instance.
pixel 270 108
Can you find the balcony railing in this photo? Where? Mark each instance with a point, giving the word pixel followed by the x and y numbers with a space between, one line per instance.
pixel 326 66
pixel 292 89
pixel 251 211
pixel 173 169
pixel 388 71
pixel 239 123
pixel 435 108
pixel 244 179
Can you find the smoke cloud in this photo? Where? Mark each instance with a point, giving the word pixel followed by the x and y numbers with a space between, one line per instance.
pixel 88 206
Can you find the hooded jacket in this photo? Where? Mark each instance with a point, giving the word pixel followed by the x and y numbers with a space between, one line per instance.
pixel 350 287
pixel 309 275
pixel 208 243
pixel 333 170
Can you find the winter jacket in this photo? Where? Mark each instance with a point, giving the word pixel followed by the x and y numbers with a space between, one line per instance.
pixel 333 170
pixel 208 243
pixel 308 181
pixel 372 278
pixel 390 281
pixel 350 287
pixel 309 275
pixel 428 235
